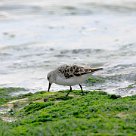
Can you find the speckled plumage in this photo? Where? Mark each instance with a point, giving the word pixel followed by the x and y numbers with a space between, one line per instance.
pixel 74 70
pixel 70 75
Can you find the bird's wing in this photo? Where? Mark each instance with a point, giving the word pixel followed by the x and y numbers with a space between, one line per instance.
pixel 74 70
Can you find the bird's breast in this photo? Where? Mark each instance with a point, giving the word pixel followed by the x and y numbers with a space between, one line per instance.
pixel 71 81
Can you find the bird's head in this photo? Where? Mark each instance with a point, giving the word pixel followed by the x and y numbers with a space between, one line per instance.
pixel 50 78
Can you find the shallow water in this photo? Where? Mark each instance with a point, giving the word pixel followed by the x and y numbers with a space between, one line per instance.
pixel 36 37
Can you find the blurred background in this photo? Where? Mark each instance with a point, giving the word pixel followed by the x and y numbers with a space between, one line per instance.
pixel 36 36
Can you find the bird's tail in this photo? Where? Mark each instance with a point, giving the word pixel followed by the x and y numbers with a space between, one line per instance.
pixel 96 69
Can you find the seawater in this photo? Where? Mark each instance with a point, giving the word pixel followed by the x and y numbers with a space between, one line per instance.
pixel 38 36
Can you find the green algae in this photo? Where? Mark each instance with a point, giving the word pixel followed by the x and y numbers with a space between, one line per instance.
pixel 94 80
pixel 53 114
pixel 5 94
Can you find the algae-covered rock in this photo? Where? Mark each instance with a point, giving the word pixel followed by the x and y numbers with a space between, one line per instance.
pixel 5 93
pixel 51 113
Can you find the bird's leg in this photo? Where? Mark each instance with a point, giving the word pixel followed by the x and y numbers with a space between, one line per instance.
pixel 69 91
pixel 49 87
pixel 81 89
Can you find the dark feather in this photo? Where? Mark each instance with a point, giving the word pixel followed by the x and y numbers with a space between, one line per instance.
pixel 71 71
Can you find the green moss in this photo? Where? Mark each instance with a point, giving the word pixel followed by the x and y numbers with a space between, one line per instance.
pixel 33 107
pixel 131 86
pixel 92 80
pixel 95 113
pixel 4 127
pixel 5 94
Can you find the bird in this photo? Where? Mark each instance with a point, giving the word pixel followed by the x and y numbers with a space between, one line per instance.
pixel 70 75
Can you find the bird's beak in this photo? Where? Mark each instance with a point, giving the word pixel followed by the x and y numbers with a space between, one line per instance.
pixel 49 87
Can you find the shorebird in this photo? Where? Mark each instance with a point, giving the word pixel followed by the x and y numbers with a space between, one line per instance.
pixel 70 75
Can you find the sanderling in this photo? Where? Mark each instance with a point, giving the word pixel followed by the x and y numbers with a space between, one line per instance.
pixel 69 75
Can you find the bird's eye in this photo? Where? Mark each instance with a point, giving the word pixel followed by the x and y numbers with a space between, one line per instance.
pixel 48 78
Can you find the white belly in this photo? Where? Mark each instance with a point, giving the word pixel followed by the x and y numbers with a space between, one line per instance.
pixel 72 81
